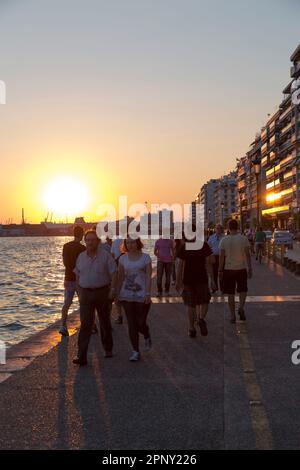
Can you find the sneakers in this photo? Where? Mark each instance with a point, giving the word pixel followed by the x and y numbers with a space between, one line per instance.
pixel 119 320
pixel 63 331
pixel 192 333
pixel 135 356
pixel 148 344
pixel 203 327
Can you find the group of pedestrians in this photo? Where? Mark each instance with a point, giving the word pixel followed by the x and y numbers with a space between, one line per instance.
pixel 119 271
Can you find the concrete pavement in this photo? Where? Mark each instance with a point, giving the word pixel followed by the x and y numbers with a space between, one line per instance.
pixel 235 389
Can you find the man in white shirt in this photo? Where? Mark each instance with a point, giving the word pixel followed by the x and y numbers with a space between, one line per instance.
pixel 96 273
pixel 235 268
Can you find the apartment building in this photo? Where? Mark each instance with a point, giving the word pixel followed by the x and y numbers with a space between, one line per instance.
pixel 207 198
pixel 280 159
pixel 225 196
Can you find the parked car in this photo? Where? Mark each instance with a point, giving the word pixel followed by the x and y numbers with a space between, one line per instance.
pixel 268 234
pixel 282 237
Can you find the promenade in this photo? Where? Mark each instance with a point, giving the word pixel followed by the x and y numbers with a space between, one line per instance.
pixel 235 389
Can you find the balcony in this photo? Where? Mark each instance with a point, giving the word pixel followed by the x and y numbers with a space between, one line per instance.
pixel 295 70
pixel 286 128
pixel 284 147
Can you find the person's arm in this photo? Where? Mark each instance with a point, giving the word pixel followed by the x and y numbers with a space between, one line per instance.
pixel 64 256
pixel 148 282
pixel 113 273
pixel 173 254
pixel 179 275
pixel 120 279
pixel 221 263
pixel 248 259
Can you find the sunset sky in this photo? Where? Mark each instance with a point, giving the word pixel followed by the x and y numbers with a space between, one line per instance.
pixel 144 98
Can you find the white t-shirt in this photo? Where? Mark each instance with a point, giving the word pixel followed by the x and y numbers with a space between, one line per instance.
pixel 116 248
pixel 134 285
pixel 234 247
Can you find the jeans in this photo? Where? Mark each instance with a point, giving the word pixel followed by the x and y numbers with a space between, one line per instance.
pixel 91 300
pixel 161 268
pixel 136 313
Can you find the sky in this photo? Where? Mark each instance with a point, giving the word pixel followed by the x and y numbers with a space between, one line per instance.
pixel 147 99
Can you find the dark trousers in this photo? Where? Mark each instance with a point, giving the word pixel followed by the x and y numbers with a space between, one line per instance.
pixel 136 313
pixel 161 269
pixel 91 300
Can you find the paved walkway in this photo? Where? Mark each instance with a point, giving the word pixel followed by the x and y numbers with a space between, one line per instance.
pixel 295 252
pixel 237 388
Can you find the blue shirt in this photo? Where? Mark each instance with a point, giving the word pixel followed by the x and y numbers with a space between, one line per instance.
pixel 214 242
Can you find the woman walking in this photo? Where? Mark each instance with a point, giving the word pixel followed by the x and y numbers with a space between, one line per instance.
pixel 134 292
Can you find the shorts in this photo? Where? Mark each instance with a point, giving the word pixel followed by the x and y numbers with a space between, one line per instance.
pixel 196 295
pixel 70 290
pixel 235 279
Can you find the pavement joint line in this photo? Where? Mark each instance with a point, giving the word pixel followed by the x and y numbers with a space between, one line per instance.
pixel 220 299
pixel 259 418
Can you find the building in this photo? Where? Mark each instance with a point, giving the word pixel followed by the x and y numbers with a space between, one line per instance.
pixel 280 161
pixel 268 176
pixel 207 198
pixel 225 195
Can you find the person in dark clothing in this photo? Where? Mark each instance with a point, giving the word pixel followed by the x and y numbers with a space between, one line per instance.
pixel 192 279
pixel 71 251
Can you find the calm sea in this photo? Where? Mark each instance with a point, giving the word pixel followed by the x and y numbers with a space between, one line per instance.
pixel 31 285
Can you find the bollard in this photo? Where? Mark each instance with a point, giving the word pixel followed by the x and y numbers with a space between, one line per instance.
pixel 293 266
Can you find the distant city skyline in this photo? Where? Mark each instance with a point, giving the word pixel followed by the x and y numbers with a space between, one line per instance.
pixel 132 98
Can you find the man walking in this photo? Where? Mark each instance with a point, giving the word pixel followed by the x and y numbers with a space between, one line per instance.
pixel 214 243
pixel 164 250
pixel 96 276
pixel 71 251
pixel 235 268
pixel 192 276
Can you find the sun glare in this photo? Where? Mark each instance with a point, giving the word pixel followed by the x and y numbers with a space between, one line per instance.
pixel 66 196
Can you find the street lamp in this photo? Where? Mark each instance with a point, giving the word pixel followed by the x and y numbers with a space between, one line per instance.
pixel 257 167
pixel 222 212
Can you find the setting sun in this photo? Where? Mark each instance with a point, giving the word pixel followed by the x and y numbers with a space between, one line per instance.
pixel 66 196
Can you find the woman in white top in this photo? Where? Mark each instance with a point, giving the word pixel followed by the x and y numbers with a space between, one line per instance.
pixel 134 291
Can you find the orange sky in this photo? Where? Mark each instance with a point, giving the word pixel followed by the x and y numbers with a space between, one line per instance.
pixel 142 99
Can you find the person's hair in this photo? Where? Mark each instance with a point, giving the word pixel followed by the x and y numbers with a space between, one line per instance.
pixel 138 241
pixel 233 224
pixel 260 229
pixel 78 231
pixel 89 232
